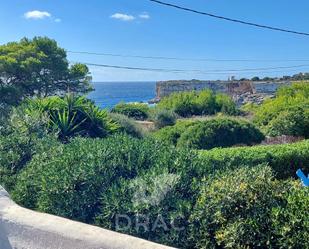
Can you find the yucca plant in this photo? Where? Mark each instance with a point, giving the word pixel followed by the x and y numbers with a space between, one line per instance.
pixel 66 123
pixel 73 116
pixel 99 122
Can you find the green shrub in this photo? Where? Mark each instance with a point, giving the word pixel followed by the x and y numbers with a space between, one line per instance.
pixel 204 102
pixel 171 134
pixel 234 210
pixel 293 121
pixel 162 118
pixel 215 132
pixel 283 159
pixel 219 132
pixel 68 180
pixel 46 149
pixel 128 125
pixel 287 114
pixel 157 197
pixel 137 111
pixel 226 105
pixel 20 138
pixel 72 116
pixel 249 108
pixel 181 103
pixel 15 151
pixel 290 220
pixel 93 180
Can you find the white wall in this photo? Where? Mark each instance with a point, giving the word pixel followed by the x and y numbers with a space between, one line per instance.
pixel 21 228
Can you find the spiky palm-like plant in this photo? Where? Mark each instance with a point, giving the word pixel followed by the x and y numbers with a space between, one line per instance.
pixel 73 116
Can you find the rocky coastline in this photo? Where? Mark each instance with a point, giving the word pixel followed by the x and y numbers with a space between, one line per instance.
pixel 241 91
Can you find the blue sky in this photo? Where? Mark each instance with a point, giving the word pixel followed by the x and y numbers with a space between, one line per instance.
pixel 140 27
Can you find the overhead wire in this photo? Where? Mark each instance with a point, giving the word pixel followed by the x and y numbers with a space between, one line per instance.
pixel 212 71
pixel 230 19
pixel 184 59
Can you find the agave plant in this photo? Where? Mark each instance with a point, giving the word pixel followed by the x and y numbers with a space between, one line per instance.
pixel 99 121
pixel 66 123
pixel 73 116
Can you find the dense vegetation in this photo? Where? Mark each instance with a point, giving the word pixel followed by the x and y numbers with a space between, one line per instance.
pixel 79 172
pixel 38 67
pixel 94 180
pixel 219 198
pixel 287 114
pixel 243 209
pixel 283 159
pixel 137 111
pixel 295 77
pixel 127 125
pixel 198 103
pixel 163 117
pixel 65 156
pixel 214 132
pixel 69 116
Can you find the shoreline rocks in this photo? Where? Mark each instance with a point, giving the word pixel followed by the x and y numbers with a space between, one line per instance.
pixel 241 91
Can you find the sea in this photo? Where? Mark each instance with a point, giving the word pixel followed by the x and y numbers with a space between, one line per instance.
pixel 108 94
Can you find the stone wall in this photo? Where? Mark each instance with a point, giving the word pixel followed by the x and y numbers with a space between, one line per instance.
pixel 241 91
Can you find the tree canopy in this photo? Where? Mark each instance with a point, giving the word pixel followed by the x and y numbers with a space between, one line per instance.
pixel 38 67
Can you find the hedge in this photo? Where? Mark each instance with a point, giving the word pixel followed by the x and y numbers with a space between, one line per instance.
pixel 238 209
pixel 158 196
pixel 93 180
pixel 220 132
pixel 205 102
pixel 20 138
pixel 290 220
pixel 68 179
pixel 287 114
pixel 136 111
pixel 211 133
pixel 283 159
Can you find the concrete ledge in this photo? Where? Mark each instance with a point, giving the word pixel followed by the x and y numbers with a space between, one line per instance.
pixel 21 228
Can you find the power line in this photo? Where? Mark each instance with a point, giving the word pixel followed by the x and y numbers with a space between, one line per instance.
pixel 260 69
pixel 184 59
pixel 230 19
pixel 213 71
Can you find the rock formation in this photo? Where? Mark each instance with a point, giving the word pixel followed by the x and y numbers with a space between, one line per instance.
pixel 241 91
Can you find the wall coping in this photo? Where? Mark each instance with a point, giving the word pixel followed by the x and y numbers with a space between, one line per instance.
pixel 21 228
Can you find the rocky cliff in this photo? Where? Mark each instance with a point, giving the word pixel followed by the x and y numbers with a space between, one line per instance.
pixel 241 91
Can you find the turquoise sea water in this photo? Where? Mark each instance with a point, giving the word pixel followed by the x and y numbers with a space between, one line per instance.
pixel 108 94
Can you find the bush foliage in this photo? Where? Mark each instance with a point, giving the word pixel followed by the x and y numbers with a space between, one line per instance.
pixel 72 116
pixel 127 125
pixel 94 180
pixel 80 171
pixel 235 210
pixel 287 114
pixel 215 132
pixel 163 117
pixel 21 136
pixel 65 156
pixel 283 159
pixel 204 102
pixel 136 111
pixel 290 220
